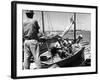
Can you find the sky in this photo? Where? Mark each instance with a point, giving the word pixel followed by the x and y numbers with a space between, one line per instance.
pixel 61 20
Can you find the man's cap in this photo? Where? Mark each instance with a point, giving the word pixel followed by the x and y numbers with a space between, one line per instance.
pixel 30 11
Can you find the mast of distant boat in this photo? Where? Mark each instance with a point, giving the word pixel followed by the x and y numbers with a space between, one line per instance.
pixel 75 27
pixel 43 21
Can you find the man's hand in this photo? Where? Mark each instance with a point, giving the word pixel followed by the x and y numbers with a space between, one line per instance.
pixel 43 39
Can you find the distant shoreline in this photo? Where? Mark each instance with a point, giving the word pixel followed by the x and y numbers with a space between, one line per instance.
pixel 62 31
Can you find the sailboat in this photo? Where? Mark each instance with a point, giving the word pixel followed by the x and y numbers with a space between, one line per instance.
pixel 75 59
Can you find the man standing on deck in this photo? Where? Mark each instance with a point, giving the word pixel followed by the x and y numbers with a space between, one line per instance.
pixel 30 38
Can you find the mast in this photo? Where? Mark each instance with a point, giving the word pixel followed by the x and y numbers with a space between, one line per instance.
pixel 43 21
pixel 75 27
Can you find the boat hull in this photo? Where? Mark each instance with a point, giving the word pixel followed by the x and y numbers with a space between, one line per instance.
pixel 73 61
